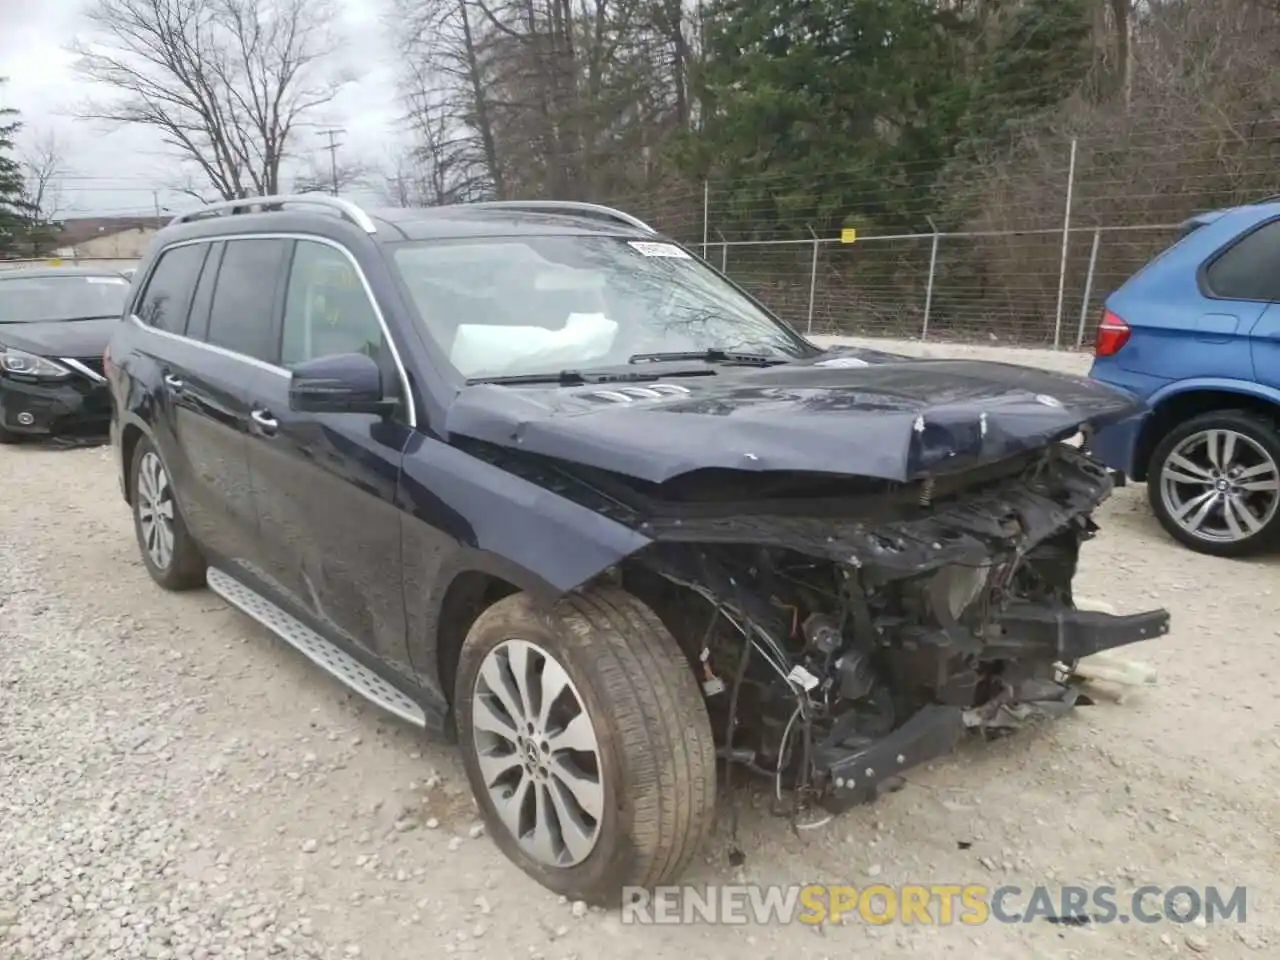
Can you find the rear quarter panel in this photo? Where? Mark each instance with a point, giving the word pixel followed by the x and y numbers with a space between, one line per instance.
pixel 1179 330
pixel 132 383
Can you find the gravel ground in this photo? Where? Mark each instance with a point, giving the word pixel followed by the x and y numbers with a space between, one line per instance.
pixel 176 783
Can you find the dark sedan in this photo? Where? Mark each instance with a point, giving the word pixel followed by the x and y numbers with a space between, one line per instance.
pixel 54 326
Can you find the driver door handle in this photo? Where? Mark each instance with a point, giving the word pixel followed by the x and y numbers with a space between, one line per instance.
pixel 173 383
pixel 265 421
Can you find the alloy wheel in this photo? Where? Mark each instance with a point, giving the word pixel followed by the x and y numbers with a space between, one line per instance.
pixel 155 510
pixel 538 753
pixel 1220 485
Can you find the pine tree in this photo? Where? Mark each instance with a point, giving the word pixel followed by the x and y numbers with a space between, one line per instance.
pixel 818 111
pixel 15 210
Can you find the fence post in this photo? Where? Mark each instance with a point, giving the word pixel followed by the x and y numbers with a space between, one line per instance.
pixel 1066 242
pixel 928 290
pixel 706 214
pixel 813 280
pixel 1088 283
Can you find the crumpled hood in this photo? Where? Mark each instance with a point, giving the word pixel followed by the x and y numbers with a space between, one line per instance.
pixel 59 338
pixel 892 419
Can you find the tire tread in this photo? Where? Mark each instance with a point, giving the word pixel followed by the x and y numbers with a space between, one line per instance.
pixel 187 569
pixel 665 746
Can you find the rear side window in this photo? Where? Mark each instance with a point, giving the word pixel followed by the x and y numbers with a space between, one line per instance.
pixel 167 299
pixel 1250 269
pixel 198 325
pixel 244 298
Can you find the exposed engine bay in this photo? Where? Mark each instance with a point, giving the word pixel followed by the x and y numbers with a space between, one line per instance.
pixel 847 628
pixel 841 640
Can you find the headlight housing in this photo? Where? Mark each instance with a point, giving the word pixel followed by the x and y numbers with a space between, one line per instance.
pixel 29 365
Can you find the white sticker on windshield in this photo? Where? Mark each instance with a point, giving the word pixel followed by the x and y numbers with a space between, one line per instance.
pixel 659 250
pixel 842 362
pixel 108 280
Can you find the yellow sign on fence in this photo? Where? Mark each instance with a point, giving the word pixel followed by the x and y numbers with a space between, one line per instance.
pixel 848 234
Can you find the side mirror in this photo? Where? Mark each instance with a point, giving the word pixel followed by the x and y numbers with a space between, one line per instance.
pixel 345 383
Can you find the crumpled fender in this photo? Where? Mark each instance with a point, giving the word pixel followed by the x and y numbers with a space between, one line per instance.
pixel 481 517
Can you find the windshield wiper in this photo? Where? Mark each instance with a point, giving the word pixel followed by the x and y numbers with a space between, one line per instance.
pixel 578 378
pixel 713 355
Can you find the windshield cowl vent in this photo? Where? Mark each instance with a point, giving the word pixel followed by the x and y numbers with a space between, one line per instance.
pixel 630 394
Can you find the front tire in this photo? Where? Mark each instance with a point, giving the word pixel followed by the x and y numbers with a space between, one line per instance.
pixel 1214 483
pixel 586 742
pixel 169 552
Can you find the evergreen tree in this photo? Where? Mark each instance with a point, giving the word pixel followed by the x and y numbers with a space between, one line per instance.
pixel 1042 57
pixel 15 210
pixel 819 112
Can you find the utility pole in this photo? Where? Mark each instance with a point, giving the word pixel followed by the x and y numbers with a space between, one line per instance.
pixel 402 194
pixel 155 200
pixel 332 134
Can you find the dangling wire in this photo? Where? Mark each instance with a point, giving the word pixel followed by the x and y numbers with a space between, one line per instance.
pixel 736 855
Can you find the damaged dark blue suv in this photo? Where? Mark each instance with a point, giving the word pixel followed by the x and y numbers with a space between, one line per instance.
pixel 533 477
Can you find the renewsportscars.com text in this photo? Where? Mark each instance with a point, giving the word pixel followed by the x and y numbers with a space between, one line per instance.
pixel 938 904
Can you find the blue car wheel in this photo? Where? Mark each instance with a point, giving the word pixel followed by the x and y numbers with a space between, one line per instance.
pixel 1214 483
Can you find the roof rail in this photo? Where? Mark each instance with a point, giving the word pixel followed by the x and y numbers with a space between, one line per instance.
pixel 573 207
pixel 346 208
pixel 1271 199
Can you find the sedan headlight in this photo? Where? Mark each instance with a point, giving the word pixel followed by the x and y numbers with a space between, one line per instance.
pixel 29 365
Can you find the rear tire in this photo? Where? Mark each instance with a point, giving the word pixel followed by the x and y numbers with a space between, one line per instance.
pixel 1214 483
pixel 642 765
pixel 169 552
pixel 7 438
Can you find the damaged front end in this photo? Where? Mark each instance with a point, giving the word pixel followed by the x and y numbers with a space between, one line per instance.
pixel 841 641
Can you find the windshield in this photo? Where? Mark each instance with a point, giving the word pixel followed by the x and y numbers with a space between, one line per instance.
pixel 70 297
pixel 504 306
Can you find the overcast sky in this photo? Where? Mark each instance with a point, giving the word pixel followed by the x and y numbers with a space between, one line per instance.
pixel 116 172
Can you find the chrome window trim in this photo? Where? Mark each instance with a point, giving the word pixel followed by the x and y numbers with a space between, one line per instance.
pixel 213 348
pixel 79 367
pixel 401 373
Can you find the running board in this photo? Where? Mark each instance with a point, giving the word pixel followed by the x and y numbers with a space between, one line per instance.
pixel 342 666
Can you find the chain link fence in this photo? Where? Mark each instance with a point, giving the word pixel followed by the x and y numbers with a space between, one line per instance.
pixel 1032 242
pixel 1016 287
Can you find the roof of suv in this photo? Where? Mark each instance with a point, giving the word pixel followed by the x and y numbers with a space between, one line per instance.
pixel 497 218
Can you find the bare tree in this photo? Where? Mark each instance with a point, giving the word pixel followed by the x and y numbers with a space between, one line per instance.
pixel 443 87
pixel 573 99
pixel 225 82
pixel 320 176
pixel 44 165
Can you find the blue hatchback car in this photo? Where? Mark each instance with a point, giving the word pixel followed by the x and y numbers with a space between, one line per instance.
pixel 1196 333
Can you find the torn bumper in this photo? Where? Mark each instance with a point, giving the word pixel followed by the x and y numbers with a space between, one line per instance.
pixel 854 777
pixel 1025 634
pixel 1028 632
